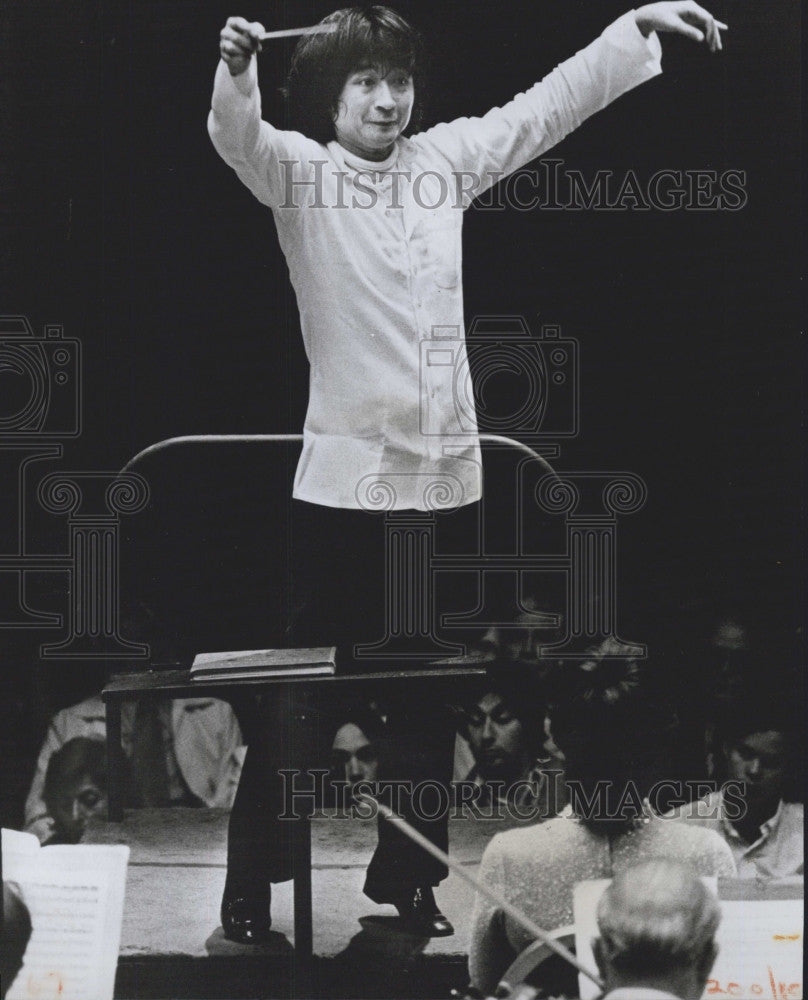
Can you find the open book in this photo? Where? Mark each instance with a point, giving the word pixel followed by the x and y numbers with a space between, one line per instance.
pixel 75 896
pixel 264 663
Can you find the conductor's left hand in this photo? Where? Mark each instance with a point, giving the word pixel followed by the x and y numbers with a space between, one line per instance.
pixel 683 17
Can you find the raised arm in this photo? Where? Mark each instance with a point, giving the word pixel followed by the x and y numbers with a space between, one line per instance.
pixel 251 146
pixel 627 54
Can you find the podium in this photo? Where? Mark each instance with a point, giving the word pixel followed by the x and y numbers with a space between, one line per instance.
pixel 178 684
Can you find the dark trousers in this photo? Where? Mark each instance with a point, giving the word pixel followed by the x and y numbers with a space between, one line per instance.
pixel 337 597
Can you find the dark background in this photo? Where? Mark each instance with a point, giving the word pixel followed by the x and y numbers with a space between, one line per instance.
pixel 121 223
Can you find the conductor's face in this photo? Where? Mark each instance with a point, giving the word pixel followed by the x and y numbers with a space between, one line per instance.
pixel 373 110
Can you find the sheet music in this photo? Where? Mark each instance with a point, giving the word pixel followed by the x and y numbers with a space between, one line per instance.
pixel 75 896
pixel 662 242
pixel 760 944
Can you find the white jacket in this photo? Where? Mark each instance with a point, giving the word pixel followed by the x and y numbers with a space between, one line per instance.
pixel 207 745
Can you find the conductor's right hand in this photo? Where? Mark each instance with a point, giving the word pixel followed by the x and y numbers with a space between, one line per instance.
pixel 238 40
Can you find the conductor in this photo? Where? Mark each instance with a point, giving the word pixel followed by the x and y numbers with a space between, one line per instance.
pixel 368 209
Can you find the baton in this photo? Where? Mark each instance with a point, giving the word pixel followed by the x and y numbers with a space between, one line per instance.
pixel 484 890
pixel 317 29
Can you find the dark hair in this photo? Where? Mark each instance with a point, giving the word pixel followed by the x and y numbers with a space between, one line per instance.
pixel 322 63
pixel 366 720
pixel 78 757
pixel 521 689
pixel 757 711
pixel 613 724
pixel 369 722
pixel 598 696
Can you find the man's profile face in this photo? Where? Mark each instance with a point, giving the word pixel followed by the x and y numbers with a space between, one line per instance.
pixel 495 736
pixel 373 110
pixel 355 757
pixel 759 760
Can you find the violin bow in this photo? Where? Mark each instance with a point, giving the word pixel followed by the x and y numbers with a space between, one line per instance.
pixel 532 928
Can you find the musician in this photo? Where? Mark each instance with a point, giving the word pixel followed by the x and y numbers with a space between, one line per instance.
pixel 608 723
pixel 356 746
pixel 657 924
pixel 515 761
pixel 75 788
pixel 764 832
pixel 183 751
pixel 369 218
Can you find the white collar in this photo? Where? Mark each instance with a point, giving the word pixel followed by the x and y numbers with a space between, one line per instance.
pixel 765 830
pixel 355 162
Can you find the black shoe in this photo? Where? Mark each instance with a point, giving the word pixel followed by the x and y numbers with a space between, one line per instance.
pixel 420 913
pixel 246 920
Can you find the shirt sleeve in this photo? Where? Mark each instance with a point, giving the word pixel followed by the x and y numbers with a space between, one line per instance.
pixel 724 862
pixel 266 159
pixel 37 820
pixel 488 148
pixel 490 953
pixel 231 759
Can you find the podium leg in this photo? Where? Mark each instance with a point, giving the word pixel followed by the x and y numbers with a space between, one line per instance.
pixel 114 762
pixel 303 916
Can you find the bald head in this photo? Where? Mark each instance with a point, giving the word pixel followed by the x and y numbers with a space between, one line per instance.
pixel 657 926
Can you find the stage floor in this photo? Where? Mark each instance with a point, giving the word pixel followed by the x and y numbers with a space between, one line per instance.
pixel 174 886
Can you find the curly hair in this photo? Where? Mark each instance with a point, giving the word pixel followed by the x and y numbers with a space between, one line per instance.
pixel 362 36
pixel 612 722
